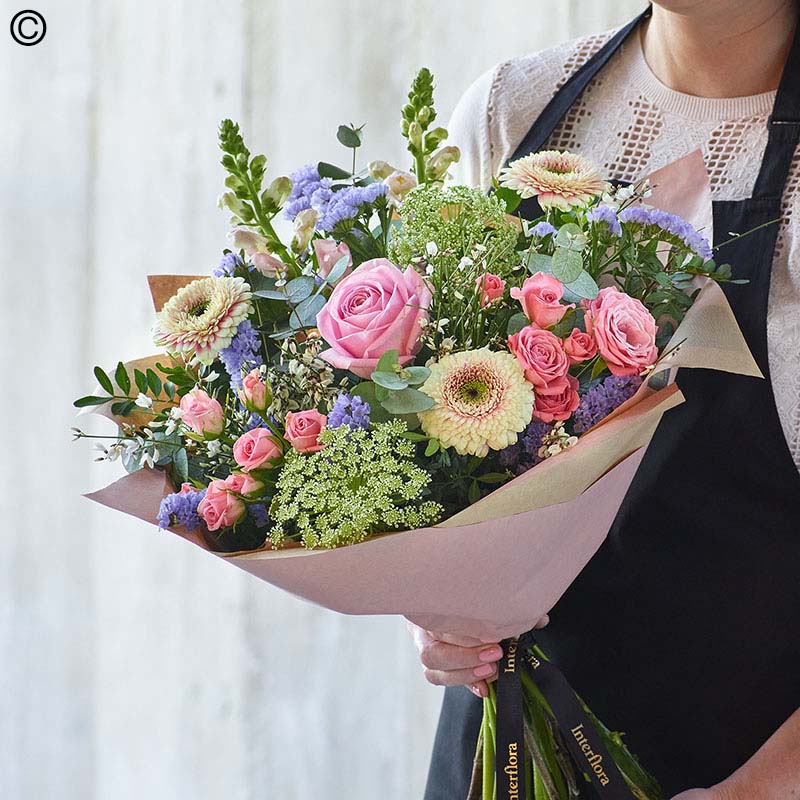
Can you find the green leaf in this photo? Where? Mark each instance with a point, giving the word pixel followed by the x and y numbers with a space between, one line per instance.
pixel 509 198
pixel 389 380
pixel 415 437
pixel 417 375
pixel 388 362
pixel 339 269
pixel 180 463
pixel 90 400
pixel 366 391
pixel 349 136
pixel 298 289
pixel 567 264
pixel 539 262
pixel 141 380
pixel 474 493
pixel 169 390
pixel 598 368
pixel 571 237
pixel 104 380
pixel 407 401
pixel 122 379
pixel 432 448
pixel 154 382
pixel 516 324
pixel 493 477
pixel 326 170
pixel 305 315
pixel 123 408
pixel 270 294
pixel 584 288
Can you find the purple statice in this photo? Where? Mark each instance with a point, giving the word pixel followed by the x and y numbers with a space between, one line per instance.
pixel 349 410
pixel 605 214
pixel 305 182
pixel 344 204
pixel 227 266
pixel 243 353
pixel 180 509
pixel 259 514
pixel 670 223
pixel 523 455
pixel 543 229
pixel 602 399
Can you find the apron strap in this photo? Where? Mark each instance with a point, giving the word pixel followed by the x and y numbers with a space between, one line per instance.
pixel 784 129
pixel 563 100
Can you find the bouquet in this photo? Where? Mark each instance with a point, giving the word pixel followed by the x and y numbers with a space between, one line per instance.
pixel 423 404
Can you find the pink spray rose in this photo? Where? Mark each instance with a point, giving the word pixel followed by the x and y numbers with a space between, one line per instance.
pixel 242 483
pixel 491 286
pixel 202 413
pixel 541 355
pixel 219 508
pixel 303 429
pixel 255 394
pixel 328 254
pixel 376 308
pixel 256 449
pixel 540 296
pixel 580 346
pixel 560 405
pixel 624 329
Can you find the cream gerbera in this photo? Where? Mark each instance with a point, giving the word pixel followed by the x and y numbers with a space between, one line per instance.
pixel 201 319
pixel 558 179
pixel 482 401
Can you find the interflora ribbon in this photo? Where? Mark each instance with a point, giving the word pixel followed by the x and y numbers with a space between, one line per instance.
pixel 584 743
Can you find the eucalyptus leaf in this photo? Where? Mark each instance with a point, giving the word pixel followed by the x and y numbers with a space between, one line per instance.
pixel 298 289
pixel 416 375
pixel 180 462
pixel 567 264
pixel 326 170
pixel 388 362
pixel 305 315
pixel 516 324
pixel 571 237
pixel 338 270
pixel 270 294
pixel 349 136
pixel 539 262
pixel 584 288
pixel 407 401
pixel 389 380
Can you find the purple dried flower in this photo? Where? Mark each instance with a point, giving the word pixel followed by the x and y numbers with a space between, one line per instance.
pixel 259 514
pixel 349 410
pixel 669 223
pixel 242 354
pixel 180 509
pixel 227 266
pixel 601 400
pixel 524 455
pixel 605 214
pixel 543 229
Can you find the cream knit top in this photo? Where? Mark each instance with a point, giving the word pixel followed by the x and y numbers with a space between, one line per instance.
pixel 631 124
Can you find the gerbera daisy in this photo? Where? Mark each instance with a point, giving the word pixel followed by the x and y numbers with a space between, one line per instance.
pixel 482 401
pixel 201 319
pixel 558 179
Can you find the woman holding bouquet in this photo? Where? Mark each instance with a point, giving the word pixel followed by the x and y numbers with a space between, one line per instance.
pixel 683 630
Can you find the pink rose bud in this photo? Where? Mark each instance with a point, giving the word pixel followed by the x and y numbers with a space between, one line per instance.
pixel 303 429
pixel 580 346
pixel 329 253
pixel 378 307
pixel 256 449
pixel 186 487
pixel 625 331
pixel 557 405
pixel 220 508
pixel 492 287
pixel 541 355
pixel 202 413
pixel 540 296
pixel 243 484
pixel 255 394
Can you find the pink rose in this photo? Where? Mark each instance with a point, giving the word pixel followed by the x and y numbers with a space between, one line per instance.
pixel 329 254
pixel 376 308
pixel 303 429
pixel 541 354
pixel 492 287
pixel 255 394
pixel 580 346
pixel 624 329
pixel 242 483
pixel 540 296
pixel 256 449
pixel 220 508
pixel 202 413
pixel 560 405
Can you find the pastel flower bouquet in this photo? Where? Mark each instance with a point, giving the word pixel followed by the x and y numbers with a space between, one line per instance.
pixel 422 404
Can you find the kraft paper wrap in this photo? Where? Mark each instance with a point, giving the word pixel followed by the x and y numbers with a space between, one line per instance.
pixel 492 570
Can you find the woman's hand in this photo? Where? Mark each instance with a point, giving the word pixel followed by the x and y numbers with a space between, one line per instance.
pixel 459 660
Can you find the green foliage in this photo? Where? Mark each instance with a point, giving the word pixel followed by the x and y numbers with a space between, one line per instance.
pixel 417 115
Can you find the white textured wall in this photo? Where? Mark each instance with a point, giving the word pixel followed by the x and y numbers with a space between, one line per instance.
pixel 131 664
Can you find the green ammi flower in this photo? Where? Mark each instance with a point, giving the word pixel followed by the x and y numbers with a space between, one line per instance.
pixel 361 483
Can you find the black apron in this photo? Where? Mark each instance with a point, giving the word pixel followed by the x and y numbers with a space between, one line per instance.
pixel 684 630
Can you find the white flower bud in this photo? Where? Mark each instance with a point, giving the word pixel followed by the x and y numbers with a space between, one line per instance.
pixel 398 185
